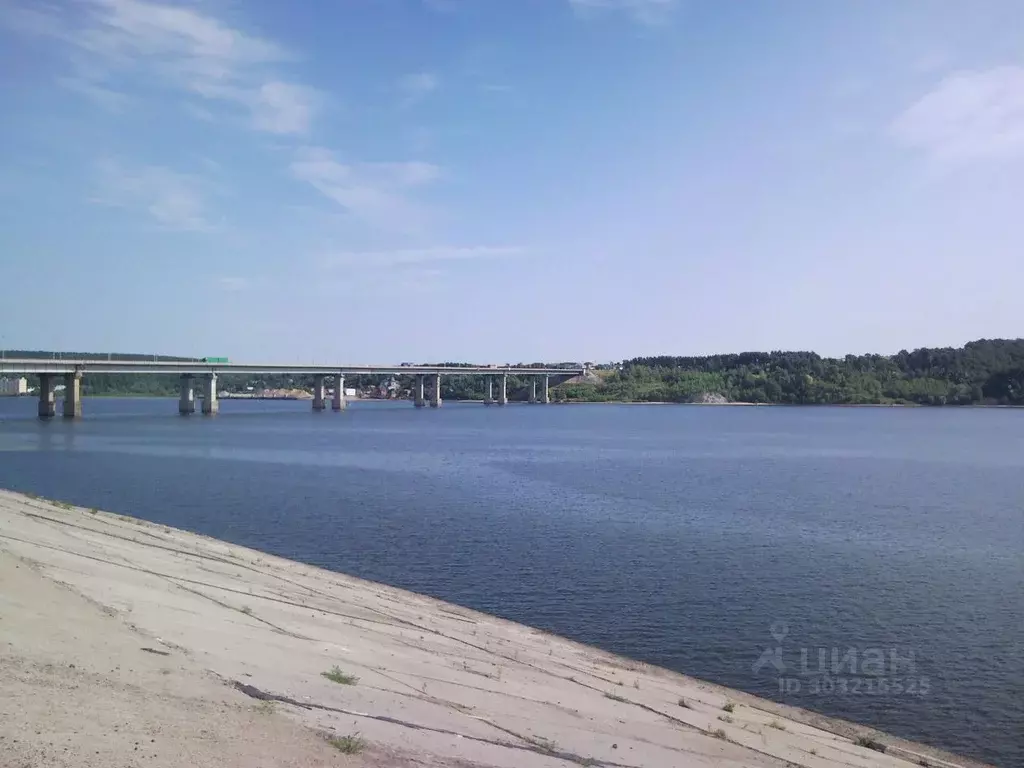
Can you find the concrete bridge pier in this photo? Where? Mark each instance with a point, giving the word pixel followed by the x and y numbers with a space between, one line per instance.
pixel 47 406
pixel 73 395
pixel 210 404
pixel 435 390
pixel 533 389
pixel 545 390
pixel 418 389
pixel 489 397
pixel 338 403
pixel 503 390
pixel 319 392
pixel 187 398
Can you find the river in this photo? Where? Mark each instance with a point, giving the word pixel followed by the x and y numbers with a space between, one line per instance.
pixel 866 563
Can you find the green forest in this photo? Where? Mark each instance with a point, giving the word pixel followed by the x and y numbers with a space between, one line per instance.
pixel 981 372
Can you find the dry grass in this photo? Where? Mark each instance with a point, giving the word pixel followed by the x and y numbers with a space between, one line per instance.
pixel 336 675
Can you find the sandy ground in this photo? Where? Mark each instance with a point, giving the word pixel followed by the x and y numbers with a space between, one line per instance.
pixel 124 643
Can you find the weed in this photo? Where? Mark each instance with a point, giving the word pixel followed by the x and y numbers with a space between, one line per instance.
pixel 725 718
pixel 729 707
pixel 352 744
pixel 923 762
pixel 94 511
pixel 246 610
pixel 864 741
pixel 613 697
pixel 636 684
pixel 718 733
pixel 335 675
pixel 813 752
pixel 64 505
pixel 265 708
pixel 544 744
pixel 776 725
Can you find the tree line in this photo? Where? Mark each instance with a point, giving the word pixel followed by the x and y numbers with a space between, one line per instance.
pixel 988 371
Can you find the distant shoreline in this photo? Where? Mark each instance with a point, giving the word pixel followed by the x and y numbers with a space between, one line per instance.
pixel 141 396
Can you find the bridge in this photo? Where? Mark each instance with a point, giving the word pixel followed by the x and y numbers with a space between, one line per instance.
pixel 426 379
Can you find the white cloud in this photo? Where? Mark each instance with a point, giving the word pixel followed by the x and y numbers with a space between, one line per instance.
pixel 285 108
pixel 413 256
pixel 648 12
pixel 377 193
pixel 115 45
pixel 971 115
pixel 175 200
pixel 416 87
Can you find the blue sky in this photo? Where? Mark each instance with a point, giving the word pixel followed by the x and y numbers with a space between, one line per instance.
pixel 505 180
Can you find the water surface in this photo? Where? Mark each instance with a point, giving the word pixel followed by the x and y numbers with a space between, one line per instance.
pixel 696 538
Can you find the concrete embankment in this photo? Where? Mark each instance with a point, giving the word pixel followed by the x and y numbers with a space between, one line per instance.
pixel 127 643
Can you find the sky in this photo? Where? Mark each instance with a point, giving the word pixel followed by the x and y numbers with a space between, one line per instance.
pixel 497 181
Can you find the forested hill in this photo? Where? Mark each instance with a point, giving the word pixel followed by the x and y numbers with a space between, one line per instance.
pixel 985 371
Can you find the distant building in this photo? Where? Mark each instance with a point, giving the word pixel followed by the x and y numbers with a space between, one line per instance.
pixel 13 387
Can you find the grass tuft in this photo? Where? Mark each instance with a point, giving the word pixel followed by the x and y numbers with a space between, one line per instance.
pixel 335 675
pixel 352 744
pixel 614 697
pixel 865 741
pixel 725 718
pixel 729 707
pixel 776 725
pixel 718 733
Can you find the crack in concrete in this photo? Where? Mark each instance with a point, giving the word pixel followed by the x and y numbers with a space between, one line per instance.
pixel 529 745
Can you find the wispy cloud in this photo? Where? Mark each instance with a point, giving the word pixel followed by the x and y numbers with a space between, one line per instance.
pixel 116 46
pixel 647 12
pixel 175 200
pixel 418 256
pixel 376 193
pixel 234 284
pixel 104 97
pixel 416 87
pixel 971 115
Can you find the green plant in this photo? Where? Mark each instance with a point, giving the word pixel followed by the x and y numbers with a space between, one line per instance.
pixel 865 741
pixel 777 725
pixel 613 697
pixel 94 511
pixel 265 707
pixel 725 718
pixel 718 733
pixel 729 706
pixel 246 610
pixel 335 675
pixel 352 744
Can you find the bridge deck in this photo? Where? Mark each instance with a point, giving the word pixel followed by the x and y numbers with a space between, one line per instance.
pixel 35 366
